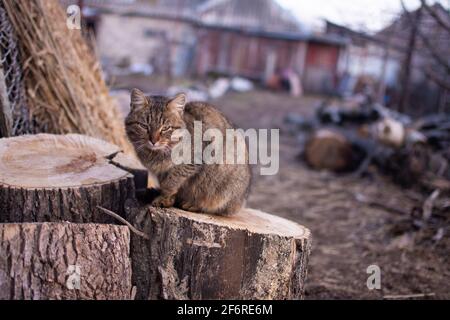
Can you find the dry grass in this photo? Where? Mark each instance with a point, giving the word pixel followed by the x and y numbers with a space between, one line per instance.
pixel 63 81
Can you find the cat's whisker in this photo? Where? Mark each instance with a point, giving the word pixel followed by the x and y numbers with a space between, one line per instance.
pixel 140 147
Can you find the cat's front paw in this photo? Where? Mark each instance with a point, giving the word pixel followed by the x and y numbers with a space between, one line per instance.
pixel 164 201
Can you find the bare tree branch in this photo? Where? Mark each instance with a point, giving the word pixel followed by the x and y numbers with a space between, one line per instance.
pixel 437 56
pixel 436 16
pixel 433 76
pixel 411 47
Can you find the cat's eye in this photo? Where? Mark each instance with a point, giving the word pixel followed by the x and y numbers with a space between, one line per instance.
pixel 165 128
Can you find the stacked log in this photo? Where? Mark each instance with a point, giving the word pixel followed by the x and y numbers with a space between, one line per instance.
pixel 350 138
pixel 47 180
pixel 330 150
pixel 251 255
pixel 64 261
pixel 50 178
pixel 44 181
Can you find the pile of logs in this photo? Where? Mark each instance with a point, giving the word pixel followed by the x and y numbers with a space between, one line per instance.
pixel 368 138
pixel 71 227
pixel 350 137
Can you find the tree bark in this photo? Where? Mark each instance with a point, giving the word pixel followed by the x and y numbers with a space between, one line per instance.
pixel 64 261
pixel 48 178
pixel 407 67
pixel 251 255
pixel 52 178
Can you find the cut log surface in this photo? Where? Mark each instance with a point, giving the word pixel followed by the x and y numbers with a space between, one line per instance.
pixel 251 255
pixel 49 178
pixel 46 179
pixel 64 261
pixel 329 150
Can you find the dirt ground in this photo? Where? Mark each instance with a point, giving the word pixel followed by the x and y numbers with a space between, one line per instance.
pixel 348 234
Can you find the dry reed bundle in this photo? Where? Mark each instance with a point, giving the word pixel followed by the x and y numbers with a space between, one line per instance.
pixel 63 81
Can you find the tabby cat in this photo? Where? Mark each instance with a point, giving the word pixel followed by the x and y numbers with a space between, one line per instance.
pixel 210 188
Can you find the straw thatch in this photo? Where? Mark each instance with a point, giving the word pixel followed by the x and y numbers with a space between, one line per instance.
pixel 64 88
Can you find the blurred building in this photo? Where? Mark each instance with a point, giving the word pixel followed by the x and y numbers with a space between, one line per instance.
pixel 261 40
pixel 258 39
pixel 405 65
pixel 253 39
pixel 365 56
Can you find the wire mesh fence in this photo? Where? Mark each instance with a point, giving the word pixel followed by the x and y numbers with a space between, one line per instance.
pixel 12 73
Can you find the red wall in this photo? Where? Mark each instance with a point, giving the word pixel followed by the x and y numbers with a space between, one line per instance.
pixel 322 55
pixel 239 54
pixel 242 54
pixel 321 68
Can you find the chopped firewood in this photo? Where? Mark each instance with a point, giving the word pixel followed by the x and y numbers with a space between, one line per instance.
pixel 250 255
pixel 64 261
pixel 50 178
pixel 331 150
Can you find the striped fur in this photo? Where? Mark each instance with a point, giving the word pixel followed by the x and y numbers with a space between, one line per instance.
pixel 209 188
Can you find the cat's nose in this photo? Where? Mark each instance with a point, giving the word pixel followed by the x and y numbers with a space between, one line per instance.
pixel 154 138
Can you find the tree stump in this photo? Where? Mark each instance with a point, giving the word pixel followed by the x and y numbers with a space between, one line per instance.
pixel 47 178
pixel 251 255
pixel 51 178
pixel 64 261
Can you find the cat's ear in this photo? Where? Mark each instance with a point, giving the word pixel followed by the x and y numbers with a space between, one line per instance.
pixel 178 103
pixel 138 99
